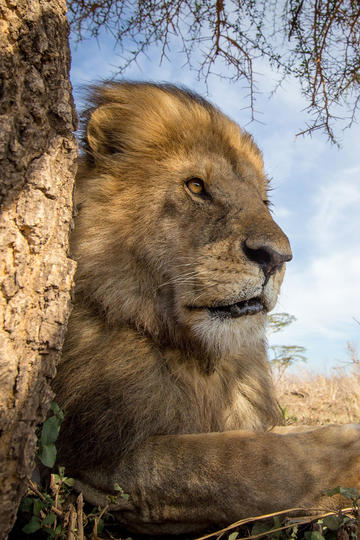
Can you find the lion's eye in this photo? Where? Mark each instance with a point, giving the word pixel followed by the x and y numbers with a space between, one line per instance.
pixel 196 186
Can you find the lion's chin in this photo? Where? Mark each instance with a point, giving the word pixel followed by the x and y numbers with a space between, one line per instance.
pixel 229 326
pixel 228 334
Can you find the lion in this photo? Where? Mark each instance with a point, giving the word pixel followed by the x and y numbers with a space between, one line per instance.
pixel 165 380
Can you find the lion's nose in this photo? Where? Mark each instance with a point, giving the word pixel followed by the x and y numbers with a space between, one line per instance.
pixel 266 257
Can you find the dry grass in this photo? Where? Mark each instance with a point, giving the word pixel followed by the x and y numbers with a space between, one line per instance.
pixel 313 399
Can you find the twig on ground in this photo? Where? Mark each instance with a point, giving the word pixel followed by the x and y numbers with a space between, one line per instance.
pixel 72 523
pixel 247 520
pixel 303 520
pixel 96 521
pixel 33 487
pixel 80 517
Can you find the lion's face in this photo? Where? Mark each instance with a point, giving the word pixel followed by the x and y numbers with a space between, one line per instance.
pixel 176 214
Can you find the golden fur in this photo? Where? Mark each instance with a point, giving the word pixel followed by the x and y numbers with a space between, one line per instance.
pixel 152 351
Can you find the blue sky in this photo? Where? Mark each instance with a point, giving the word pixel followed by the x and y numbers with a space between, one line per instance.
pixel 316 195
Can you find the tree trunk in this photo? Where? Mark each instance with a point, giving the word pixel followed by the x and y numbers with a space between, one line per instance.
pixel 37 164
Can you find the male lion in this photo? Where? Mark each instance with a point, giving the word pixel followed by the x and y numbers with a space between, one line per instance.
pixel 165 380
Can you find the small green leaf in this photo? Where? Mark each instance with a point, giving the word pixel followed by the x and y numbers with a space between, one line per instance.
pixel 61 472
pixel 49 519
pixel 349 493
pixel 57 411
pixel 121 492
pixel 47 454
pixel 233 536
pixel 50 430
pixel 33 525
pixel 100 526
pixel 54 407
pixel 38 506
pixel 315 535
pixel 261 527
pixel 26 504
pixel 333 491
pixel 69 481
pixel 332 522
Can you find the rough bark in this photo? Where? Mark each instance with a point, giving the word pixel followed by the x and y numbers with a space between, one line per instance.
pixel 37 162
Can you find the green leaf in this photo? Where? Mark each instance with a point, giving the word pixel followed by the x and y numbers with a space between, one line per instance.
pixel 233 536
pixel 121 492
pixel 47 454
pixel 333 491
pixel 69 481
pixel 38 506
pixel 26 504
pixel 49 519
pixel 315 535
pixel 100 526
pixel 50 430
pixel 261 527
pixel 57 411
pixel 62 472
pixel 54 407
pixel 33 525
pixel 332 522
pixel 349 493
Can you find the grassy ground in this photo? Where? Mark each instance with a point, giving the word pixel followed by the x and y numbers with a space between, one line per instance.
pixel 312 399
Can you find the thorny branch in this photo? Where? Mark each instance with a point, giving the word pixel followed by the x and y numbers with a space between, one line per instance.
pixel 317 42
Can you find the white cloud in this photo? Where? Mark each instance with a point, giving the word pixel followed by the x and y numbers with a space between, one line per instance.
pixel 337 221
pixel 322 286
pixel 326 295
pixel 281 212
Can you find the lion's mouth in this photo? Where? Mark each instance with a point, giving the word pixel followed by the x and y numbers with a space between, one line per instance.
pixel 239 309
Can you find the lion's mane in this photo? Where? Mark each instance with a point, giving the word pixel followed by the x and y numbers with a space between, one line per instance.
pixel 137 361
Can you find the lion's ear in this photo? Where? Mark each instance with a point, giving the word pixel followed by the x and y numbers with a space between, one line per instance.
pixel 104 131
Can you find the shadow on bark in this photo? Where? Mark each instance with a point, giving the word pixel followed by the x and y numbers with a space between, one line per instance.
pixel 37 160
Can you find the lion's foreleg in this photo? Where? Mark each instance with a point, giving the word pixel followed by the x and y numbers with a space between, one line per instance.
pixel 187 482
